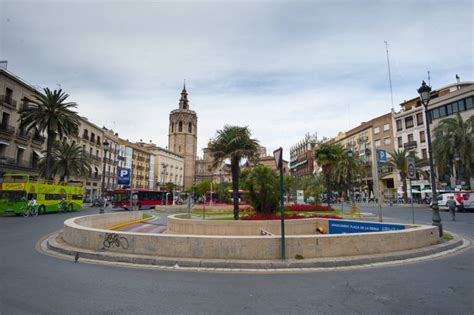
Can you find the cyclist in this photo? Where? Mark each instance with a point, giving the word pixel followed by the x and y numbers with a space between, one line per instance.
pixel 63 205
pixel 31 208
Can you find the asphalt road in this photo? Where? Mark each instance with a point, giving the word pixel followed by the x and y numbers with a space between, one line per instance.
pixel 33 283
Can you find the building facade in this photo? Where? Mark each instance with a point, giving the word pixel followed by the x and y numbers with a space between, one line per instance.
pixel 410 124
pixel 113 160
pixel 20 151
pixel 364 140
pixel 302 156
pixel 168 167
pixel 182 138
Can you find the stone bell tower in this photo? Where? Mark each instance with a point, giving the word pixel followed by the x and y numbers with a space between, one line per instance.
pixel 182 138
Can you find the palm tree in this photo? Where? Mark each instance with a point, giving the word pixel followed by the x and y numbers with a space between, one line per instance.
pixel 67 160
pixel 50 113
pixel 234 143
pixel 398 161
pixel 263 186
pixel 347 168
pixel 454 138
pixel 327 156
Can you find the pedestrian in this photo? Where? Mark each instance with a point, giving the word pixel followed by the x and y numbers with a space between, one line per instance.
pixel 135 202
pixel 451 203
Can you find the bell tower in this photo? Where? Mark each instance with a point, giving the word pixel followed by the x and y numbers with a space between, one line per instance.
pixel 182 137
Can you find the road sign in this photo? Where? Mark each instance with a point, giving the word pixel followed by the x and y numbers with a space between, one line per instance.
pixel 381 156
pixel 277 154
pixel 411 169
pixel 123 177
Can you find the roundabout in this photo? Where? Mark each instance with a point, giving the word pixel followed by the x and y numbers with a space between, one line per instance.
pixel 245 246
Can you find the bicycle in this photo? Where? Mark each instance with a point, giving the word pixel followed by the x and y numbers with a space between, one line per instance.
pixel 30 211
pixel 62 207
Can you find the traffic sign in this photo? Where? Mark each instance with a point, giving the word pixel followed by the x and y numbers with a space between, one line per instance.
pixel 411 169
pixel 277 154
pixel 381 156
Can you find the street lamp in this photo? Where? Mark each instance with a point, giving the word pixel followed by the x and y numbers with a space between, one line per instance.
pixel 459 171
pixel 349 175
pixel 106 145
pixel 424 92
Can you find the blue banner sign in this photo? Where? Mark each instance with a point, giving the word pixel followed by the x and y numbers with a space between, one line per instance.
pixel 342 227
pixel 382 156
pixel 123 176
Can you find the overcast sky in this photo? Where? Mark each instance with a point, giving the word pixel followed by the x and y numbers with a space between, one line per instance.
pixel 281 68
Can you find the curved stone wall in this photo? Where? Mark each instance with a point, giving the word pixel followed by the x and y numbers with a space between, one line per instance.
pixel 88 232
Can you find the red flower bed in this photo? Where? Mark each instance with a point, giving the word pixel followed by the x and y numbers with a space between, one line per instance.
pixel 308 208
pixel 271 216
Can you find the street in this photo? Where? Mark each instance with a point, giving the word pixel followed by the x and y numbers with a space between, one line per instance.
pixel 33 283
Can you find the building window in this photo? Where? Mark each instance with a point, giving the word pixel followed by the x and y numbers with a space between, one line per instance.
pixel 190 128
pixel 180 126
pixel 376 130
pixel 8 96
pixel 424 155
pixel 85 135
pixel 422 137
pixel 400 142
pixel 410 137
pixel 172 127
pixel 386 127
pixel 377 143
pixel 19 155
pixel 92 137
pixel 5 120
pixel 399 125
pixel 409 122
pixel 387 141
pixel 419 119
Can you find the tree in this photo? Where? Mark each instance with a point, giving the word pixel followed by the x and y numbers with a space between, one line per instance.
pixel 398 161
pixel 454 137
pixel 327 156
pixel 49 112
pixel 67 160
pixel 346 168
pixel 263 186
pixel 234 143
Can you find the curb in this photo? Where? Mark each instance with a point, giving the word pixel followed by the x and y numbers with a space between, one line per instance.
pixel 54 245
pixel 129 223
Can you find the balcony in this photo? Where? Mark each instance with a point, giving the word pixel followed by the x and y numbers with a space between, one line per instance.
pixel 7 101
pixel 38 140
pixel 6 161
pixel 7 129
pixel 23 136
pixel 410 145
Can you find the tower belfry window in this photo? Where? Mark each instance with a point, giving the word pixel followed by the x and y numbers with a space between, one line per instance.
pixel 172 127
pixel 180 128
pixel 190 128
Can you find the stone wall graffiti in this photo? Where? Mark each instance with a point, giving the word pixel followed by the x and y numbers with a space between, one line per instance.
pixel 115 240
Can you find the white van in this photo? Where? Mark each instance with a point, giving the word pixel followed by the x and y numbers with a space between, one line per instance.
pixel 464 200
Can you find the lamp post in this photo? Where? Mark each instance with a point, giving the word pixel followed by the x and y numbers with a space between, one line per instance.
pixel 459 171
pixel 424 92
pixel 106 145
pixel 349 175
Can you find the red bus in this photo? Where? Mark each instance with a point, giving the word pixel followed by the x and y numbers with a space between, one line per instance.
pixel 146 198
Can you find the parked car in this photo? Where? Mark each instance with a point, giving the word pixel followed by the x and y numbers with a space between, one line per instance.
pixel 464 201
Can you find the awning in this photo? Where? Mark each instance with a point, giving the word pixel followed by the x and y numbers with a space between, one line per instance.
pixel 4 142
pixel 38 153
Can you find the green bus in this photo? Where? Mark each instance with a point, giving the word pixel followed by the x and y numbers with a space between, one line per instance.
pixel 18 189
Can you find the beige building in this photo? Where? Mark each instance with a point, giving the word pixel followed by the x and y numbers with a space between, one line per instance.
pixel 182 138
pixel 113 160
pixel 269 161
pixel 140 163
pixel 206 171
pixel 364 140
pixel 90 137
pixel 410 123
pixel 168 167
pixel 19 151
